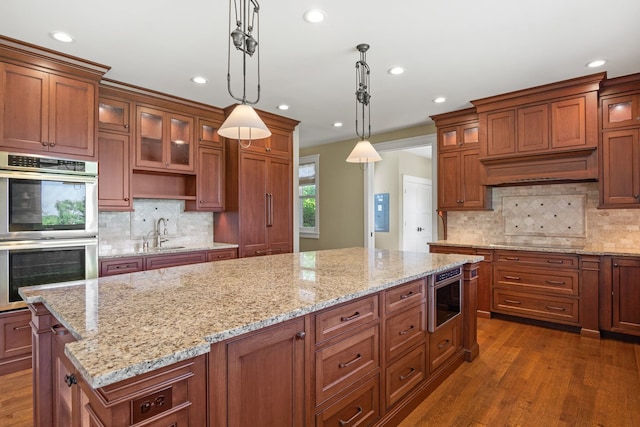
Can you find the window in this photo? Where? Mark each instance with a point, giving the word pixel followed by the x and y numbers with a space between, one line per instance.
pixel 308 190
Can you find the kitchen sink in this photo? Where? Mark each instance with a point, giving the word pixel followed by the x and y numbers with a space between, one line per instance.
pixel 169 248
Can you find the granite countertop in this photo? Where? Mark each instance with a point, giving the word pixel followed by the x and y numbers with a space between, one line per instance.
pixel 168 249
pixel 134 323
pixel 586 249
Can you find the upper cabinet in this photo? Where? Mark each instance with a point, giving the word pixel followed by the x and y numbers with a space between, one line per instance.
pixel 48 101
pixel 209 169
pixel 459 168
pixel 114 114
pixel 620 143
pixel 544 133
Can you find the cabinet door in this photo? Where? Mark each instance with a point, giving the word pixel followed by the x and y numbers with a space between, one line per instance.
pixel 149 138
pixel 449 180
pixel 533 128
pixel 210 179
pixel 501 133
pixel 72 116
pixel 179 143
pixel 252 193
pixel 626 295
pixel 24 104
pixel 620 183
pixel 568 123
pixel 472 191
pixel 113 115
pixel 114 170
pixel 266 374
pixel 621 111
pixel 208 131
pixel 278 144
pixel 279 206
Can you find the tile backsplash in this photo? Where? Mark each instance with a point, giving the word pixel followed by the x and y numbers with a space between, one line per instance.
pixel 543 216
pixel 122 232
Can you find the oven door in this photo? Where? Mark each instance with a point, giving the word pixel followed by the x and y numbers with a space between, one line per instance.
pixel 39 262
pixel 445 302
pixel 47 205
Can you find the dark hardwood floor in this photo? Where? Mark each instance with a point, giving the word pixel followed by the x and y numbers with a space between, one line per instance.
pixel 525 376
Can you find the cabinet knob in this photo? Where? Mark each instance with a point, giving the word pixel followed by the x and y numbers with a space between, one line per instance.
pixel 300 335
pixel 636 196
pixel 616 265
pixel 51 144
pixel 126 126
pixel 70 380
pixel 201 201
pixel 126 199
pixel 44 144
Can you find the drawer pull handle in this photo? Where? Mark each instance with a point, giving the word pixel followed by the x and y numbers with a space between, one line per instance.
pixel 407 295
pixel 358 412
pixel 555 261
pixel 404 377
pixel 405 332
pixel 18 328
pixel 512 277
pixel 512 301
pixel 512 258
pixel 550 307
pixel 351 362
pixel 353 316
pixel 555 282
pixel 59 330
pixel 443 344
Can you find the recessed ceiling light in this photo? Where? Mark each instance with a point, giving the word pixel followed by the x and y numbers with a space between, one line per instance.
pixel 314 16
pixel 439 100
pixel 283 107
pixel 199 80
pixel 337 124
pixel 396 71
pixel 61 37
pixel 597 63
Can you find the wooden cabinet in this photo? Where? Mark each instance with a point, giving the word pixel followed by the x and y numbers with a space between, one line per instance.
pixel 543 133
pixel 278 144
pixel 485 273
pixel 164 140
pixel 444 343
pixel 260 378
pixel 152 262
pixel 109 267
pixel 360 407
pixel 258 212
pixel 15 341
pixel 44 112
pixel 459 168
pixel 114 114
pixel 536 285
pixel 625 295
pixel 209 181
pixel 221 254
pixel 114 172
pixel 620 143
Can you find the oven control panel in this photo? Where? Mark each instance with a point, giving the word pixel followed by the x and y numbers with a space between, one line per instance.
pixel 439 277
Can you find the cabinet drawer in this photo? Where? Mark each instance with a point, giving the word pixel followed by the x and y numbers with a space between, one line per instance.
pixel 405 330
pixel 16 334
pixel 542 307
pixel 404 296
pixel 358 408
pixel 121 265
pixel 163 261
pixel 341 364
pixel 405 374
pixel 338 320
pixel 542 259
pixel 560 282
pixel 221 254
pixel 444 343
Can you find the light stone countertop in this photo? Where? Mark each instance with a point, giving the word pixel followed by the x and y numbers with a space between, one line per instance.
pixel 597 249
pixel 168 249
pixel 134 323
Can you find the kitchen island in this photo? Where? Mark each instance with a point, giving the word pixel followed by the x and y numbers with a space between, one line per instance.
pixel 164 346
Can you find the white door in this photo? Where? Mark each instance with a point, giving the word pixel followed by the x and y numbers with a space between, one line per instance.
pixel 417 213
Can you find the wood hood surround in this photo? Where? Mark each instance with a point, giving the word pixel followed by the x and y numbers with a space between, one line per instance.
pixel 545 134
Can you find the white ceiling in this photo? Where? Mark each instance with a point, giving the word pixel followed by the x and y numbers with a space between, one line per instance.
pixel 460 49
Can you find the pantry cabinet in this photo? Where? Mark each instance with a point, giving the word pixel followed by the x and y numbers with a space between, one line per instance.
pixel 47 107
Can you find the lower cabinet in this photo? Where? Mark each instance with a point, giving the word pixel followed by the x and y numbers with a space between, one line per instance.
pixel 444 343
pixel 620 296
pixel 15 341
pixel 360 407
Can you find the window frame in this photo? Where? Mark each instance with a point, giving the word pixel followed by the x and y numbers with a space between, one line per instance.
pixel 308 232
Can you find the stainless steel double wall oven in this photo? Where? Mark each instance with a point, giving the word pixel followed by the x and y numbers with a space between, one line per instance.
pixel 48 222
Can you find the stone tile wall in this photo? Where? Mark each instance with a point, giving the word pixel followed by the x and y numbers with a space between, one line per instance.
pixel 122 232
pixel 612 228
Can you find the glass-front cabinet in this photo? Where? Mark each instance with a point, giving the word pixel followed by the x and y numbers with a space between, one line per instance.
pixel 164 140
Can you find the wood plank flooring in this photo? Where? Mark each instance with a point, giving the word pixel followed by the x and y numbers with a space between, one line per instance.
pixel 525 376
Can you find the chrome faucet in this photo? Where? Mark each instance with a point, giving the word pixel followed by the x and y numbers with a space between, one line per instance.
pixel 159 239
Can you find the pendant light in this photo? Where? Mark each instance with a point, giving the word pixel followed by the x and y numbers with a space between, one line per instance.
pixel 363 152
pixel 243 123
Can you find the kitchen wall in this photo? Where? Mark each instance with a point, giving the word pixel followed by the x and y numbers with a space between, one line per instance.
pixel 563 214
pixel 342 191
pixel 388 179
pixel 123 232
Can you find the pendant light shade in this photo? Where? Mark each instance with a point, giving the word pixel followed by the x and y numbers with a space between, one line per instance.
pixel 363 152
pixel 244 123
